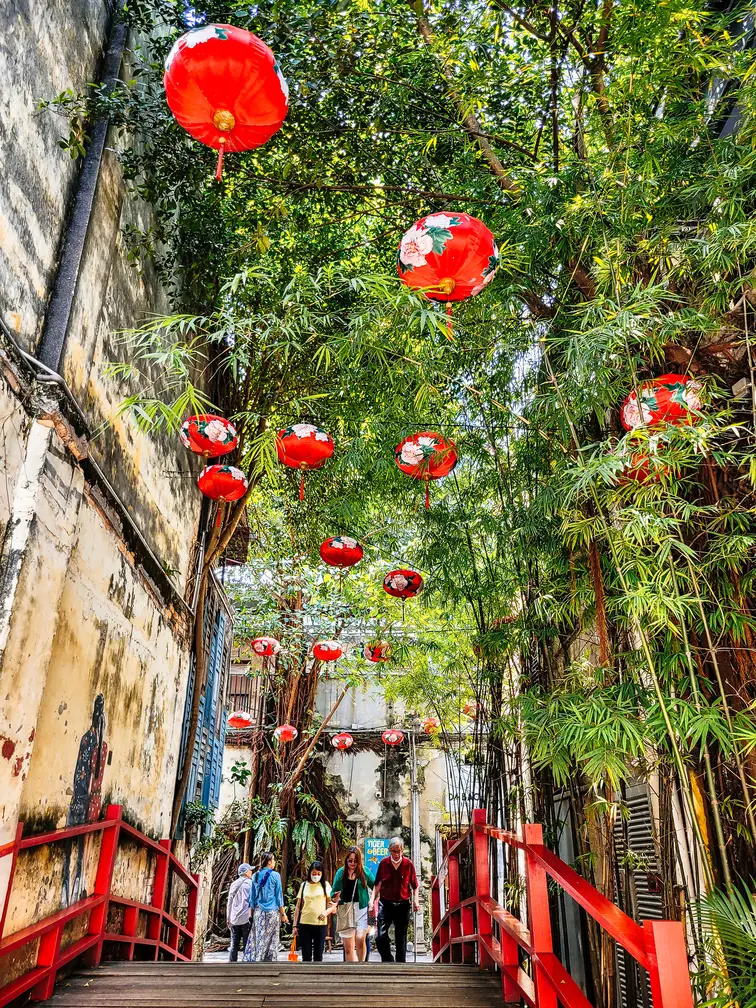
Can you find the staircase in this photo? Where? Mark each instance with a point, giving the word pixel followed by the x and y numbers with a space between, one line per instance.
pixel 278 985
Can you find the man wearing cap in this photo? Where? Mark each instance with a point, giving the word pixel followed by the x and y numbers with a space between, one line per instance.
pixel 397 888
pixel 238 913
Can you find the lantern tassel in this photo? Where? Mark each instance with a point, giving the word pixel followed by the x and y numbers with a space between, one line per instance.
pixel 218 516
pixel 219 165
pixel 301 487
pixel 449 331
pixel 427 496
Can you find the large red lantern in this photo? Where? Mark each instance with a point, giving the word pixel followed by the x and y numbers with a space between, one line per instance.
pixel 239 720
pixel 403 583
pixel 222 482
pixel 341 551
pixel 342 741
pixel 224 87
pixel 328 650
pixel 431 725
pixel 376 651
pixel 471 710
pixel 392 736
pixel 208 435
pixel 643 468
pixel 265 647
pixel 426 456
pixel 670 398
pixel 303 446
pixel 285 733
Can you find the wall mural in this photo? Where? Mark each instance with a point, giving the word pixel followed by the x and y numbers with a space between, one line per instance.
pixel 86 800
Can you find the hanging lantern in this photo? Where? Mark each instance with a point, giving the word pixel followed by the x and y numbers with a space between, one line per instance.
pixel 224 87
pixel 426 456
pixel 377 651
pixel 643 468
pixel 327 650
pixel 431 725
pixel 342 741
pixel 266 647
pixel 403 583
pixel 222 482
pixel 392 736
pixel 666 399
pixel 208 435
pixel 341 552
pixel 471 710
pixel 239 719
pixel 448 257
pixel 285 733
pixel 303 446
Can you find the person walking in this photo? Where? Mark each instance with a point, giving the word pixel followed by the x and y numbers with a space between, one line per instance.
pixel 238 912
pixel 396 887
pixel 268 913
pixel 311 914
pixel 351 894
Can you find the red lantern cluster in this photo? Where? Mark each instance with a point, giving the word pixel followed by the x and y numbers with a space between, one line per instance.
pixel 341 551
pixel 285 733
pixel 224 87
pixel 448 257
pixel 327 651
pixel 222 482
pixel 377 651
pixel 431 725
pixel 265 647
pixel 239 720
pixel 303 446
pixel 392 736
pixel 208 435
pixel 670 398
pixel 403 583
pixel 426 456
pixel 342 741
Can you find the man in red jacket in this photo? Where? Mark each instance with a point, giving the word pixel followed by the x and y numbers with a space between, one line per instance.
pixel 397 888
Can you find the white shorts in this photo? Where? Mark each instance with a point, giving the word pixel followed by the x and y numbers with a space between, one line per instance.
pixel 360 923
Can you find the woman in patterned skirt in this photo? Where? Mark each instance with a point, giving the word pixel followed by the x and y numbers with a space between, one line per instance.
pixel 268 913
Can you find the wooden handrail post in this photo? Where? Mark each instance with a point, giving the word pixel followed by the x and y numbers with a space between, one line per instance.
pixel 482 886
pixel 11 873
pixel 191 916
pixel 435 918
pixel 539 916
pixel 98 919
pixel 668 968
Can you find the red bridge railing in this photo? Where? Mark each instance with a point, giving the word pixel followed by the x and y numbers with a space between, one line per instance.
pixel 146 930
pixel 479 930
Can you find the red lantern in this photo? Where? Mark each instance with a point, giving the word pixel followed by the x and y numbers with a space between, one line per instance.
pixel 392 736
pixel 327 650
pixel 431 725
pixel 643 468
pixel 403 583
pixel 208 435
pixel 224 87
pixel 378 651
pixel 471 710
pixel 426 456
pixel 265 647
pixel 239 719
pixel 341 551
pixel 342 741
pixel 666 399
pixel 285 733
pixel 303 446
pixel 222 482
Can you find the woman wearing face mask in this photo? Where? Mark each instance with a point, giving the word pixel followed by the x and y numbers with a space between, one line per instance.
pixel 312 913
pixel 268 912
pixel 351 893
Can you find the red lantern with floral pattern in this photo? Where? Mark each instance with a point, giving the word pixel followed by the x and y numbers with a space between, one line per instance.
pixel 303 446
pixel 239 720
pixel 376 651
pixel 224 87
pixel 341 552
pixel 222 482
pixel 670 398
pixel 471 710
pixel 327 650
pixel 392 736
pixel 266 647
pixel 431 725
pixel 403 583
pixel 342 741
pixel 208 435
pixel 426 456
pixel 285 733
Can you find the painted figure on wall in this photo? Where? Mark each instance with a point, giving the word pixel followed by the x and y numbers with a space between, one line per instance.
pixel 86 800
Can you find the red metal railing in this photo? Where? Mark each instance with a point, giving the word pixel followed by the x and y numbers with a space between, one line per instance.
pixel 165 937
pixel 478 929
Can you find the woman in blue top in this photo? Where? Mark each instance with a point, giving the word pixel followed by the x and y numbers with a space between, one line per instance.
pixel 268 913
